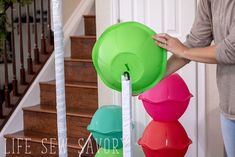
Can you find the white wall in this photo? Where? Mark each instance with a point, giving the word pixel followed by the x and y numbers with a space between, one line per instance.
pixel 68 8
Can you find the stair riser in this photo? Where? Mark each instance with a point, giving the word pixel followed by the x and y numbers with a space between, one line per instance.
pixel 82 47
pixel 45 123
pixel 90 149
pixel 90 25
pixel 76 98
pixel 27 148
pixel 80 72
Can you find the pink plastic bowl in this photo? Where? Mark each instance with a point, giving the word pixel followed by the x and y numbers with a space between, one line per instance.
pixel 168 100
pixel 166 111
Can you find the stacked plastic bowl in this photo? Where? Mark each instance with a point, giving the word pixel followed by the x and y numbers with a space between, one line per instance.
pixel 166 103
pixel 106 128
pixel 125 47
pixel 129 47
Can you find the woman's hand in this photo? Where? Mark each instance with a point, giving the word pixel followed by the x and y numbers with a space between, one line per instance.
pixel 203 54
pixel 171 44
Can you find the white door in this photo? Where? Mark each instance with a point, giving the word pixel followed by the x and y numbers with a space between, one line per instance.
pixel 176 18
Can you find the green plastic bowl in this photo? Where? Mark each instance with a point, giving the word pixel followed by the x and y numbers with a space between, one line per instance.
pixel 108 140
pixel 109 152
pixel 129 47
pixel 106 126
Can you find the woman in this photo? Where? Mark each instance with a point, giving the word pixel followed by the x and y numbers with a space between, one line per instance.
pixel 215 20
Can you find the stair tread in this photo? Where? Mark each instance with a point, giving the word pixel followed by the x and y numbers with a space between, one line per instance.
pixel 52 109
pixel 91 16
pixel 69 59
pixel 38 137
pixel 85 36
pixel 73 84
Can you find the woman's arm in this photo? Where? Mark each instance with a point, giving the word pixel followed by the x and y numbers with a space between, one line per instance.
pixel 203 55
pixel 174 64
pixel 199 36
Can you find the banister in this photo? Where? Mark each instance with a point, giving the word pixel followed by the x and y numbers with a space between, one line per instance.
pixel 21 52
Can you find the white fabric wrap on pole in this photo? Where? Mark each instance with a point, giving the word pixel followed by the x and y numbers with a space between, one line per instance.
pixel 60 83
pixel 126 117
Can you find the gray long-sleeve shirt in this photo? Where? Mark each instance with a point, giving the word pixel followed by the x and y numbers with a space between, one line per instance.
pixel 215 20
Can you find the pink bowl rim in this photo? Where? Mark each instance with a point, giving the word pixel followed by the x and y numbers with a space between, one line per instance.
pixel 169 99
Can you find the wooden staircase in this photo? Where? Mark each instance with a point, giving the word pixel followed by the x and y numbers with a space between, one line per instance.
pixel 39 137
pixel 27 47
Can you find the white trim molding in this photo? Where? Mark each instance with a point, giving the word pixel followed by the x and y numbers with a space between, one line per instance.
pixel 201 98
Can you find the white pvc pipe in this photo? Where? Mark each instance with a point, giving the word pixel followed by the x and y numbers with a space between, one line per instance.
pixel 127 116
pixel 60 83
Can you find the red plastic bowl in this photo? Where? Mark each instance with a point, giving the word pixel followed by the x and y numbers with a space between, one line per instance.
pixel 165 152
pixel 164 139
pixel 168 100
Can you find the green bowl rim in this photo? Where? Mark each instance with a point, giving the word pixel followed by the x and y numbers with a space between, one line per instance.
pixel 104 149
pixel 91 129
pixel 101 38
